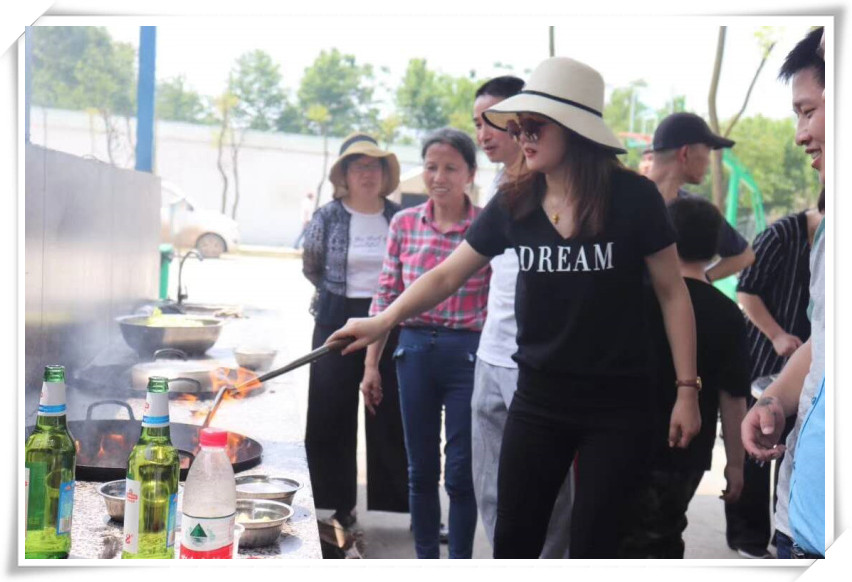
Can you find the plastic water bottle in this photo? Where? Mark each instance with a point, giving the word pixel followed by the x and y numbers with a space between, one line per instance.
pixel 209 501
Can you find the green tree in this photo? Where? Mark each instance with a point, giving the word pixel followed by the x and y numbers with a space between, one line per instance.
pixel 83 68
pixel 459 97
pixel 420 97
pixel 256 83
pixel 177 102
pixel 338 83
pixel 388 130
pixel 624 110
pixel 780 168
pixel 428 99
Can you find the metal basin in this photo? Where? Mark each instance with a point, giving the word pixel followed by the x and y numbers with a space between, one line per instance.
pixel 281 489
pixel 262 520
pixel 146 339
pixel 114 493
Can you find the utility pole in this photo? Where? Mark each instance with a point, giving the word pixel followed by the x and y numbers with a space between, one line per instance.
pixel 145 99
pixel 552 43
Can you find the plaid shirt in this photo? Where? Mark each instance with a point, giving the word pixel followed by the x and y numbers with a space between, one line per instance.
pixel 415 246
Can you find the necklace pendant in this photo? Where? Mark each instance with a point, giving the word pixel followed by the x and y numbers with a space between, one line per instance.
pixel 555 218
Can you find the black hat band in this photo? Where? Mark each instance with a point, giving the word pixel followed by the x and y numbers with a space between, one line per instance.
pixel 356 139
pixel 561 100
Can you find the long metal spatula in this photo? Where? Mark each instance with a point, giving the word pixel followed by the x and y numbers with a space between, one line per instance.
pixel 306 359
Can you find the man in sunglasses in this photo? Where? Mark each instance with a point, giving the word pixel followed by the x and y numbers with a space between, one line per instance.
pixel 681 148
pixel 496 373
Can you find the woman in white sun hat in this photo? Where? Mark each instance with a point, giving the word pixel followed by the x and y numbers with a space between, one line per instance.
pixel 585 229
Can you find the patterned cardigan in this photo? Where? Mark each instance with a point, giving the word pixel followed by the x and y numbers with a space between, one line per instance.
pixel 326 247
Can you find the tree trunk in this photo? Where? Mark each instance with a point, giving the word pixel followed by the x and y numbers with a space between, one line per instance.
pixel 221 146
pixel 235 153
pixel 109 135
pixel 716 171
pixel 748 93
pixel 324 166
pixel 131 159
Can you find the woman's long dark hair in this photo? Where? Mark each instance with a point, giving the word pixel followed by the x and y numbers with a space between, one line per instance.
pixel 589 168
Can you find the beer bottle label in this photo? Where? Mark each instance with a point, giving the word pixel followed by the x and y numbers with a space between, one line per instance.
pixel 65 509
pixel 207 537
pixel 131 515
pixel 52 399
pixel 156 412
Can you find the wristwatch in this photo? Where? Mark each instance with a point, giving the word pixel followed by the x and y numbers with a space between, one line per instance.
pixel 696 383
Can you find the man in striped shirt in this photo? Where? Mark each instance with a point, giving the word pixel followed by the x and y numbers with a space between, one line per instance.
pixel 774 295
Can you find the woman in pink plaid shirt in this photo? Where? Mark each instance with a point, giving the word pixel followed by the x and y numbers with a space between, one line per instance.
pixel 435 356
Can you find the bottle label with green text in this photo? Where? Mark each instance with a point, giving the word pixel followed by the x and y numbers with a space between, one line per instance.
pixel 66 508
pixel 156 411
pixel 52 400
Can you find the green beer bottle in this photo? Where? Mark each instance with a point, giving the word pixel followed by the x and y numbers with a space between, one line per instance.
pixel 49 460
pixel 153 470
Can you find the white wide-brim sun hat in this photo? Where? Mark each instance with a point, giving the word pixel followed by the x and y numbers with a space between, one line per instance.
pixel 566 91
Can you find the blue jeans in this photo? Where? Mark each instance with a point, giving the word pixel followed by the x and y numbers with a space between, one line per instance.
pixel 783 546
pixel 435 367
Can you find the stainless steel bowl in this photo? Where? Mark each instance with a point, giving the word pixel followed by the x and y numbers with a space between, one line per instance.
pixel 113 493
pixel 255 358
pixel 262 519
pixel 281 489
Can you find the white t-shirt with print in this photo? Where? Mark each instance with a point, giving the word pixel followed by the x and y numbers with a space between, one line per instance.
pixel 498 341
pixel 368 234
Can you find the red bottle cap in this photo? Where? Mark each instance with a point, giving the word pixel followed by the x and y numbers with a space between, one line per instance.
pixel 213 437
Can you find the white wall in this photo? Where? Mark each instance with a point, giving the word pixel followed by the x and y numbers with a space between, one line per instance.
pixel 275 169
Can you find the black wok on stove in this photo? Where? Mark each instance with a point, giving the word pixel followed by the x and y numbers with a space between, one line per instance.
pixel 117 437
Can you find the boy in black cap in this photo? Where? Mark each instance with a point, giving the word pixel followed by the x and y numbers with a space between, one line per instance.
pixel 654 528
pixel 681 147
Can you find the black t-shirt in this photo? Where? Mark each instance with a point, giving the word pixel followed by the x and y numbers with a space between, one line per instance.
pixel 723 364
pixel 579 301
pixel 731 243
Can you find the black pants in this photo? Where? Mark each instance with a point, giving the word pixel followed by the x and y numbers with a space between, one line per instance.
pixel 331 433
pixel 658 518
pixel 535 456
pixel 747 520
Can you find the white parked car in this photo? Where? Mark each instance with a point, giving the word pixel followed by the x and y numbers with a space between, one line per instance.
pixel 186 225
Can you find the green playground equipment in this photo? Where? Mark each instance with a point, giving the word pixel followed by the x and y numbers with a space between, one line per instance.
pixel 739 176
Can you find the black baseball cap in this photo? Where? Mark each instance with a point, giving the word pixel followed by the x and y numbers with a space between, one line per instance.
pixel 680 129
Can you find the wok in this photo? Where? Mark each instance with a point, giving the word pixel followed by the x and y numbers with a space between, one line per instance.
pixel 146 339
pixel 114 439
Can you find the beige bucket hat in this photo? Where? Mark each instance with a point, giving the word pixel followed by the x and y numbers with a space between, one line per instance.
pixel 363 144
pixel 566 91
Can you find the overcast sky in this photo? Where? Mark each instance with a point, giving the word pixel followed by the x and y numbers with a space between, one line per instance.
pixel 673 55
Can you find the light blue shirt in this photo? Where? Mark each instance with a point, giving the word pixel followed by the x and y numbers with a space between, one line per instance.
pixel 807 487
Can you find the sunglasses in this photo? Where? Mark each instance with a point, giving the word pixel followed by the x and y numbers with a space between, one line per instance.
pixel 530 128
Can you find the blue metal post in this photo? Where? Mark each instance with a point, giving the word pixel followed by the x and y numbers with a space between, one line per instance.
pixel 145 99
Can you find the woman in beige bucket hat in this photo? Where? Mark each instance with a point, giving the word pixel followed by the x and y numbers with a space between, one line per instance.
pixel 585 229
pixel 343 253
